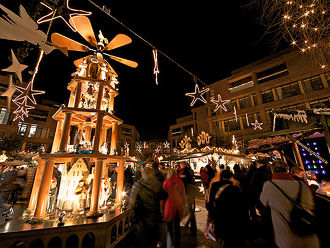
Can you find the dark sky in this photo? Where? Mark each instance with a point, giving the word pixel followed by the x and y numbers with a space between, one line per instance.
pixel 208 39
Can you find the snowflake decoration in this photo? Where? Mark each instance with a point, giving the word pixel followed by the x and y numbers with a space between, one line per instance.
pixel 166 145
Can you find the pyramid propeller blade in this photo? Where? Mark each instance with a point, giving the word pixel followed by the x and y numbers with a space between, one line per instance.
pixel 62 41
pixel 84 28
pixel 79 61
pixel 127 62
pixel 118 41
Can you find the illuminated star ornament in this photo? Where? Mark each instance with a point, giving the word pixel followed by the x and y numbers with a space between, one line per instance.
pixel 70 12
pixel 256 125
pixel 197 95
pixel 220 104
pixel 156 69
pixel 22 110
pixel 166 145
pixel 16 67
pixel 10 91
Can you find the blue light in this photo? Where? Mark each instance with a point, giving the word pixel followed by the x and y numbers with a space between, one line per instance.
pixel 302 149
pixel 318 153
pixel 314 143
pixel 317 172
pixel 308 166
pixel 308 144
pixel 320 162
pixel 307 162
pixel 304 154
pixel 316 149
pixel 323 171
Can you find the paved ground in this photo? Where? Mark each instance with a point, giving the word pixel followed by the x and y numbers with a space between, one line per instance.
pixel 198 241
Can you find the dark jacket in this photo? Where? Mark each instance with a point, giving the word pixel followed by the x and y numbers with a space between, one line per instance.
pixel 230 212
pixel 145 202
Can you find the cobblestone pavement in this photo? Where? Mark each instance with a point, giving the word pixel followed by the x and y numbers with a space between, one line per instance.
pixel 198 241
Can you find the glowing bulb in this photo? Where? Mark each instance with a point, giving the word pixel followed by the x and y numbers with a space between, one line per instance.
pixel 294 42
pixel 315 29
pixel 323 66
pixel 303 25
pixel 303 50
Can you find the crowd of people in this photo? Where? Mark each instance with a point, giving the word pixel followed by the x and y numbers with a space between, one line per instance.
pixel 247 207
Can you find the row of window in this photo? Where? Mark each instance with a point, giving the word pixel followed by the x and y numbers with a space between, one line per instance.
pixel 36 131
pixel 292 89
pixel 239 123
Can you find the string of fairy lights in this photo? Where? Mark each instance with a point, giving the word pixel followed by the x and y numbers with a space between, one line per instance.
pixel 302 23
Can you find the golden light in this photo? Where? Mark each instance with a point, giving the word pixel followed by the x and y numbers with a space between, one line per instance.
pixel 3 157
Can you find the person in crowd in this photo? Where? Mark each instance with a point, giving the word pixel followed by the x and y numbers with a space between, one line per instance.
pixel 188 179
pixel 144 200
pixel 229 212
pixel 241 179
pixel 174 207
pixel 158 173
pixel 210 173
pixel 257 180
pixel 281 207
pixel 298 174
pixel 128 178
pixel 204 177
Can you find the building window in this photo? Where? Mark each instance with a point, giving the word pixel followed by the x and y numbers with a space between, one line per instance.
pixel 126 131
pixel 245 102
pixel 176 131
pixel 22 128
pixel 290 90
pixel 267 96
pixel 272 73
pixel 38 114
pixel 232 125
pixel 241 82
pixel 247 122
pixel 314 83
pixel 230 106
pixel 4 116
pixel 38 132
pixel 321 103
pixel 33 130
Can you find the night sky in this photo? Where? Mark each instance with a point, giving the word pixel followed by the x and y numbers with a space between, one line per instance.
pixel 207 38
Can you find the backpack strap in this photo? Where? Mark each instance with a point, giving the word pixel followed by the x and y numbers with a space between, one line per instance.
pixel 219 192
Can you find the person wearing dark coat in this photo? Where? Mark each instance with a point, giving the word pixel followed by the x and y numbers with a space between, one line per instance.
pixel 229 212
pixel 210 173
pixel 157 172
pixel 144 200
pixel 128 178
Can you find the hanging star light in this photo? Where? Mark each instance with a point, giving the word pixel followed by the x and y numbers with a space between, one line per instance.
pixel 9 92
pixel 220 103
pixel 197 95
pixel 256 125
pixel 156 69
pixel 166 145
pixel 201 188
pixel 66 17
pixel 16 67
pixel 235 113
pixel 22 110
pixel 27 93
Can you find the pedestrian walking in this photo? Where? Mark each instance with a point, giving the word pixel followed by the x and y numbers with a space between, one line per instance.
pixel 144 200
pixel 188 179
pixel 275 194
pixel 174 207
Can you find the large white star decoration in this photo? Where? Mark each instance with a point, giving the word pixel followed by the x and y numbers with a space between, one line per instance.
pixel 70 13
pixel 166 145
pixel 157 150
pixel 256 125
pixel 220 103
pixel 9 92
pixel 16 67
pixel 27 93
pixel 197 95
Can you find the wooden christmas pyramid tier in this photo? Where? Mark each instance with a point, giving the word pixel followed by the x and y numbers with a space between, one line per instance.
pixel 81 116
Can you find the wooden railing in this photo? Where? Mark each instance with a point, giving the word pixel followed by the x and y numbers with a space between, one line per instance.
pixel 105 232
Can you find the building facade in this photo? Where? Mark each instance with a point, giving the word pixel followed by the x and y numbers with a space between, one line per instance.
pixel 283 82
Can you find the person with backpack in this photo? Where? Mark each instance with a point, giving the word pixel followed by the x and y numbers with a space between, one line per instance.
pixel 229 212
pixel 291 203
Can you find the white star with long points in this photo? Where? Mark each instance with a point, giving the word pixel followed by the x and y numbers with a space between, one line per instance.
pixel 16 67
pixel 27 93
pixel 197 95
pixel 220 104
